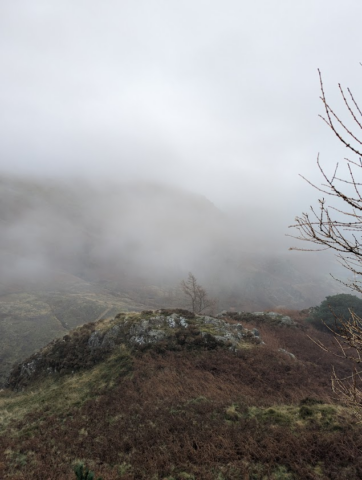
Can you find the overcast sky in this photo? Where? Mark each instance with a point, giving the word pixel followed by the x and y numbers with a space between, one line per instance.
pixel 219 97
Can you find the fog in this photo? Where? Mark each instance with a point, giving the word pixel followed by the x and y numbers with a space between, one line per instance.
pixel 152 138
pixel 128 238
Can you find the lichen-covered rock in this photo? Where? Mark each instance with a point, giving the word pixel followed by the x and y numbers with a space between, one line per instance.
pixel 27 369
pixel 287 320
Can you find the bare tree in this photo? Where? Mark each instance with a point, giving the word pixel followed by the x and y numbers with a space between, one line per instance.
pixel 337 225
pixel 197 296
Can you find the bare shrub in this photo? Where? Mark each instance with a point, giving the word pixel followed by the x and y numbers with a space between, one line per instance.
pixel 336 224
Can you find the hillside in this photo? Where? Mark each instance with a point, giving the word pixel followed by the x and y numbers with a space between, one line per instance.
pixel 73 252
pixel 31 317
pixel 167 394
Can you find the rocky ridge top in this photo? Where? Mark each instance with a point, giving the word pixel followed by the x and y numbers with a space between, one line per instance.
pixel 160 330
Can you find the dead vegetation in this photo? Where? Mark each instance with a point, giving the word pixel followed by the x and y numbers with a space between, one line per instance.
pixel 188 414
pixel 336 225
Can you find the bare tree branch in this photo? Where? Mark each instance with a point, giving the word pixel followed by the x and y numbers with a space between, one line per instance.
pixel 339 228
pixel 198 298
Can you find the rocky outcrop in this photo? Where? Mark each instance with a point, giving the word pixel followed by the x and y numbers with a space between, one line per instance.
pixel 163 325
pixel 270 317
pixel 161 330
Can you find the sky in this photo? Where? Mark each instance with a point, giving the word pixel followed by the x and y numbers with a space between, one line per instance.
pixel 221 98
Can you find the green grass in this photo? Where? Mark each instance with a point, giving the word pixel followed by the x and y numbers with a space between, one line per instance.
pixel 60 394
pixel 326 416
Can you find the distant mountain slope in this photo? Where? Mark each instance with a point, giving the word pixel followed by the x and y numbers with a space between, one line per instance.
pixel 79 228
pixel 32 317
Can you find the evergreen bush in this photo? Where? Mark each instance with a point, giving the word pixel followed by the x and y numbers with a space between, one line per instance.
pixel 335 309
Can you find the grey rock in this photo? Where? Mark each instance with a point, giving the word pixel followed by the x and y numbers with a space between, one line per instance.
pixel 94 340
pixel 210 320
pixel 183 322
pixel 291 355
pixel 223 338
pixel 237 326
pixel 287 320
pixel 171 322
pixel 28 369
pixel 110 337
pixel 156 335
pixel 138 340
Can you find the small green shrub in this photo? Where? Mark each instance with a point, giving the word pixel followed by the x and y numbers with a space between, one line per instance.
pixel 82 473
pixel 310 401
pixel 305 412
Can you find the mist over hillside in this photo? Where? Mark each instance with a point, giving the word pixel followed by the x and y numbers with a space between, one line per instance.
pixel 83 229
pixel 141 142
pixel 144 234
pixel 74 252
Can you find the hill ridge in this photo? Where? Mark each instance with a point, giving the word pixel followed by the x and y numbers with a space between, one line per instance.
pixel 163 329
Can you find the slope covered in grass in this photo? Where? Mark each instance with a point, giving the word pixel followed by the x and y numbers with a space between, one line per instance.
pixel 180 408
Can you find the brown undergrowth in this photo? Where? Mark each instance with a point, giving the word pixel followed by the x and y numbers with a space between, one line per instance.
pixel 298 340
pixel 188 414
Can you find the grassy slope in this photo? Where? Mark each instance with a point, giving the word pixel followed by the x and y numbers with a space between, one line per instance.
pixel 28 321
pixel 203 414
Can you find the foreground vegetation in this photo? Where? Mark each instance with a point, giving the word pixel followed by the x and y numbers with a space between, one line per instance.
pixel 187 413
